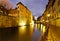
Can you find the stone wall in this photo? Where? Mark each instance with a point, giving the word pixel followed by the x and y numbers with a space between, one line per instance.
pixel 8 21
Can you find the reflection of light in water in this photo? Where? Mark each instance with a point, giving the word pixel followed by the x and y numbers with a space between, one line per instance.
pixel 31 26
pixel 22 29
pixel 31 29
pixel 41 26
pixel 25 33
pixel 35 26
pixel 38 26
pixel 43 29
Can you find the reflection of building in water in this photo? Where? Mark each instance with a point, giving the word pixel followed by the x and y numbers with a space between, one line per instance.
pixel 25 33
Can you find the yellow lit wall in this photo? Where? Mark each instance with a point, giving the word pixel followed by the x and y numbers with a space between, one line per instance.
pixel 54 11
pixel 25 14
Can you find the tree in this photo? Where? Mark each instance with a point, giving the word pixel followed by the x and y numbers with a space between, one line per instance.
pixel 4 10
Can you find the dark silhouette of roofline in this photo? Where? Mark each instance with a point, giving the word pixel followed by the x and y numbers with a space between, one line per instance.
pixel 20 3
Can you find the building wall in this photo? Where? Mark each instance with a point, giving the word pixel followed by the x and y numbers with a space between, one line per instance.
pixel 16 17
pixel 13 12
pixel 25 14
pixel 53 8
pixel 8 21
pixel 56 8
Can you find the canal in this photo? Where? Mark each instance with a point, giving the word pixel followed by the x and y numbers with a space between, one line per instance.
pixel 23 33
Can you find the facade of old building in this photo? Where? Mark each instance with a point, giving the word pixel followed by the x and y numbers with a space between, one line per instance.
pixel 23 13
pixel 52 13
pixel 19 16
pixel 13 12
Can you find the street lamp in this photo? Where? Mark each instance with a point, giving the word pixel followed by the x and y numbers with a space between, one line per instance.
pixel 48 15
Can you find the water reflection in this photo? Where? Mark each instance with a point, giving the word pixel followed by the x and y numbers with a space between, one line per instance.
pixel 41 27
pixel 24 33
pixel 22 29
pixel 8 34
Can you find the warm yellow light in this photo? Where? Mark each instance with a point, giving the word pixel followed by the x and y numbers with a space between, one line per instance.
pixel 22 29
pixel 48 15
pixel 22 23
pixel 43 29
pixel 32 22
pixel 46 21
pixel 41 26
pixel 42 20
pixel 31 29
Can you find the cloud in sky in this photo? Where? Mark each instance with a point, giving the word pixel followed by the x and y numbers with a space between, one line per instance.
pixel 36 6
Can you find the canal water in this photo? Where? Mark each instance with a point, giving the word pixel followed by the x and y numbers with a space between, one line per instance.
pixel 23 33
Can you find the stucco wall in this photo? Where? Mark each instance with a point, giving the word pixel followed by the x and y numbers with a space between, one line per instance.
pixel 8 21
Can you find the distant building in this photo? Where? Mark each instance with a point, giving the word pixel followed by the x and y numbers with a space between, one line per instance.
pixel 39 18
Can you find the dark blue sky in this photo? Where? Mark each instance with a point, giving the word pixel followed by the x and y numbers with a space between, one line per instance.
pixel 36 6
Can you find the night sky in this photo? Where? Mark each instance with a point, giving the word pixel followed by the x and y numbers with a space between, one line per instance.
pixel 37 7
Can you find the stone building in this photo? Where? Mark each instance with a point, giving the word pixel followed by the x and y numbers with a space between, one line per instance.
pixel 19 16
pixel 52 12
pixel 23 13
pixel 13 12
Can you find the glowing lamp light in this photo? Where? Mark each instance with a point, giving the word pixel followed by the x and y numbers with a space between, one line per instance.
pixel 48 15
pixel 22 30
pixel 43 20
pixel 22 23
pixel 32 23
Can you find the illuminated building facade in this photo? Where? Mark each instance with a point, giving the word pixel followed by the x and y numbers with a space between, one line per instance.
pixel 23 13
pixel 52 13
pixel 13 12
pixel 19 16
